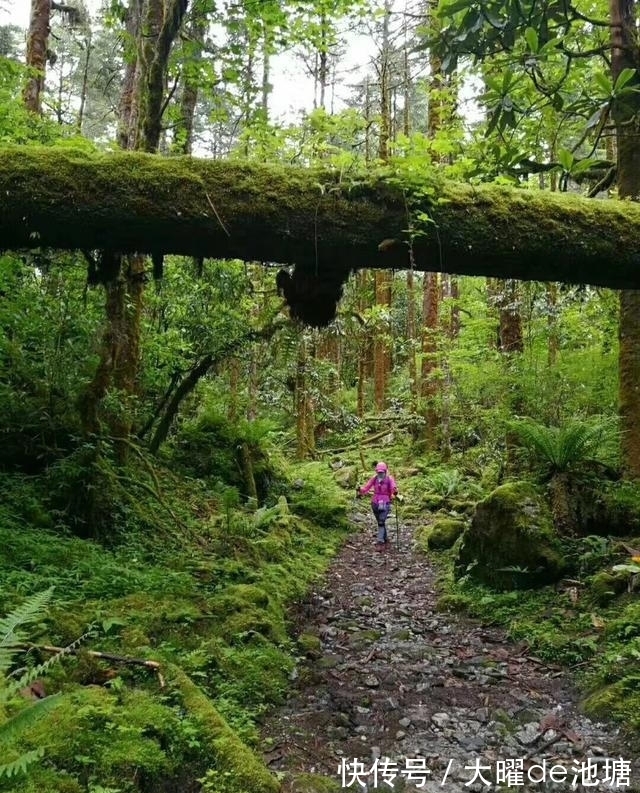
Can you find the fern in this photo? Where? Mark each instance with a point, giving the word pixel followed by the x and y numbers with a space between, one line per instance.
pixel 11 637
pixel 560 449
pixel 19 766
pixel 33 609
pixel 25 718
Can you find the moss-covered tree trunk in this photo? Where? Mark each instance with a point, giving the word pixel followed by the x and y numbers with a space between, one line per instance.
pixel 626 55
pixel 553 344
pixel 510 328
pixel 37 38
pixel 303 406
pixel 381 347
pixel 156 26
pixel 161 26
pixel 411 336
pixel 183 131
pixel 428 377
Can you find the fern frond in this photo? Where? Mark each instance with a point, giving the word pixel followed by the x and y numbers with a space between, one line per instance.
pixel 39 670
pixel 19 766
pixel 26 717
pixel 559 449
pixel 30 611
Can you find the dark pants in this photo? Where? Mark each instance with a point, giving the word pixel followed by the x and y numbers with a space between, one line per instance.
pixel 381 511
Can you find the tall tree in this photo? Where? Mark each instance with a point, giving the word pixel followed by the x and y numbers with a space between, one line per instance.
pixel 155 24
pixel 551 37
pixel 625 59
pixel 37 47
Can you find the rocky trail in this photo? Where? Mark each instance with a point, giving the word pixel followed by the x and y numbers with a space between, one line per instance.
pixel 401 697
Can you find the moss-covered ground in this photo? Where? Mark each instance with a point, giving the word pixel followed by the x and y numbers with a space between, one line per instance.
pixel 583 623
pixel 208 601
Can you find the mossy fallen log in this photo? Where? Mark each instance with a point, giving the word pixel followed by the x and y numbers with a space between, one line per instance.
pixel 327 227
pixel 230 757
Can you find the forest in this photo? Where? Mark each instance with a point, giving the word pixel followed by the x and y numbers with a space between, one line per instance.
pixel 256 255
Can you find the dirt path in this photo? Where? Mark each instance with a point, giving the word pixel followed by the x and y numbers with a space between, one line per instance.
pixel 427 701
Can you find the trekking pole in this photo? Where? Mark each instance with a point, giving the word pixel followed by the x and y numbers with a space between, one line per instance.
pixel 397 528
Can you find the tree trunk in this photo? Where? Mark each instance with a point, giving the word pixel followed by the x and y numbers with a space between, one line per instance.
pixel 160 26
pixel 85 81
pixel 436 78
pixel 183 133
pixel 510 328
pixel 228 209
pixel 186 386
pixel 454 330
pixel 141 109
pixel 411 336
pixel 234 383
pixel 625 54
pixel 385 91
pixel 552 323
pixel 428 381
pixel 127 112
pixel 323 72
pixel 37 39
pixel 381 349
pixel 305 443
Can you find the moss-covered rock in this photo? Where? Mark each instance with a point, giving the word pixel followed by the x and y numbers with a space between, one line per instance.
pixel 606 586
pixel 312 783
pixel 619 700
pixel 457 604
pixel 346 477
pixel 444 533
pixel 587 503
pixel 310 645
pixel 511 542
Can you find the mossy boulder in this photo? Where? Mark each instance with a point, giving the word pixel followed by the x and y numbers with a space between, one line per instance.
pixel 606 586
pixel 312 783
pixel 511 542
pixel 619 700
pixel 346 477
pixel 590 503
pixel 310 645
pixel 444 533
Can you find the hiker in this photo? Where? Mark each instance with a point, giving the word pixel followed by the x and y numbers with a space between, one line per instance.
pixel 384 491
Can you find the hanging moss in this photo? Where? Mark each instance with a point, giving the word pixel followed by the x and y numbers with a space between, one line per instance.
pixel 133 202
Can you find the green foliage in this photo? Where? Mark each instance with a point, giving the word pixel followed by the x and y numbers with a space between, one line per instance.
pixel 319 499
pixel 560 449
pixel 11 636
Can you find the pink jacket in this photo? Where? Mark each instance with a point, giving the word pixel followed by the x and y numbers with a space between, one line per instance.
pixel 383 491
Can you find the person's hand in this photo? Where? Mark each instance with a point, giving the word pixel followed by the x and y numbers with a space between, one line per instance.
pixel 399 497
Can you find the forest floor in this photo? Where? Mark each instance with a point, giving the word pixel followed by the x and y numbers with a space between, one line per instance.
pixel 399 696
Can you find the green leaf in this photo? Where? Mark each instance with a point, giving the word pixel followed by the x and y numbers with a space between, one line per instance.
pixel 626 568
pixel 531 37
pixel 604 83
pixel 566 159
pixel 594 120
pixel 623 78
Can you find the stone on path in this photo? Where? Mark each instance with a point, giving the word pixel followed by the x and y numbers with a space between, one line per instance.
pixel 399 687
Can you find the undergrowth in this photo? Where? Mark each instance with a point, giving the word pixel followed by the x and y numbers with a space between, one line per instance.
pixel 208 595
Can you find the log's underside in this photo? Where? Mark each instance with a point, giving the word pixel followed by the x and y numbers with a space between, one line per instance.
pixel 325 226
